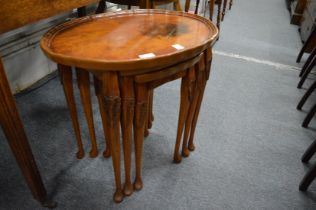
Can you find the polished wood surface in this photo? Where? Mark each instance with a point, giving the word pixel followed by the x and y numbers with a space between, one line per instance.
pixel 17 13
pixel 110 45
pixel 123 36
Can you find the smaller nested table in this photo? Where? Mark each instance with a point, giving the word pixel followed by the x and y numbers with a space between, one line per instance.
pixel 130 53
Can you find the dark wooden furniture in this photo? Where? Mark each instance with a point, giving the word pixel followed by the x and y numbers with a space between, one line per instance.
pixel 130 53
pixel 219 4
pixel 15 14
pixel 225 6
pixel 311 173
pixel 307 68
pixel 307 29
pixel 297 8
pixel 308 46
pixel 308 20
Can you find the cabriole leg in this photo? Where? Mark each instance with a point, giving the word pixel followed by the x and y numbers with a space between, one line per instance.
pixel 112 103
pixel 187 83
pixel 84 87
pixel 98 86
pixel 139 126
pixel 128 104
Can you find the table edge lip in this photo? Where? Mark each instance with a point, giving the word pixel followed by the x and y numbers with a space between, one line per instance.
pixel 100 64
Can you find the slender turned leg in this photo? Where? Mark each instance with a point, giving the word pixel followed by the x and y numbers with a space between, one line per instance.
pixel 309 152
pixel 230 4
pixel 212 2
pixel 308 62
pixel 97 87
pixel 149 113
pixel 306 44
pixel 66 80
pixel 150 109
pixel 127 116
pixel 112 103
pixel 197 6
pixel 205 76
pixel 309 116
pixel 187 83
pixel 84 87
pixel 14 131
pixel 146 129
pixel 308 178
pixel 193 103
pixel 306 95
pixel 187 5
pixel 218 24
pixel 196 103
pixel 306 73
pixel 224 9
pixel 139 126
pixel 177 5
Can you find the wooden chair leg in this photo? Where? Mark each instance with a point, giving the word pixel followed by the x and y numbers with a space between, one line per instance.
pixel 306 73
pixel 197 7
pixel 187 5
pixel 139 125
pixel 311 150
pixel 219 8
pixel 308 62
pixel 309 117
pixel 98 93
pixel 224 9
pixel 127 116
pixel 306 95
pixel 186 94
pixel 306 44
pixel 212 2
pixel 308 178
pixel 112 103
pixel 13 129
pixel 66 80
pixel 230 4
pixel 84 87
pixel 177 5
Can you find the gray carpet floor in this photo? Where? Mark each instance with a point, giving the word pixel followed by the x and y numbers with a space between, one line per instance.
pixel 248 141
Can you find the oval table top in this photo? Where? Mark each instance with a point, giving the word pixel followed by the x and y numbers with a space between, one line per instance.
pixel 129 40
